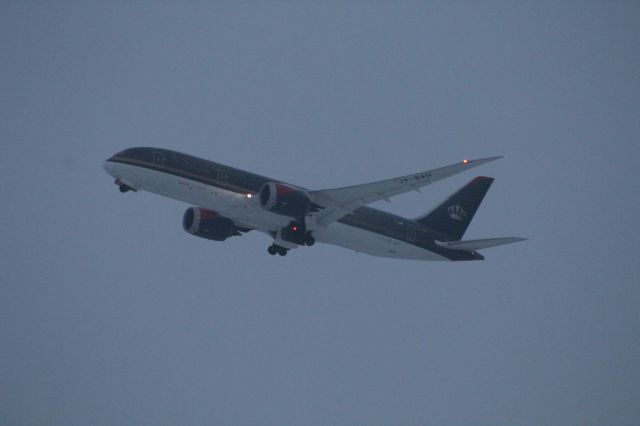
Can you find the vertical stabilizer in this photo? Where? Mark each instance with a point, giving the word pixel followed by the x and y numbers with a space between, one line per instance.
pixel 452 217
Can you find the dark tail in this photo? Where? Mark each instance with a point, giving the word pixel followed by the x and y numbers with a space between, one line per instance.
pixel 452 217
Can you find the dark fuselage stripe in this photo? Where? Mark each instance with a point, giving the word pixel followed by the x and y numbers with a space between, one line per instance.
pixel 181 173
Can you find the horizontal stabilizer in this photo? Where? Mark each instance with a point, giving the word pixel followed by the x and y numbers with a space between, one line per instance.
pixel 473 245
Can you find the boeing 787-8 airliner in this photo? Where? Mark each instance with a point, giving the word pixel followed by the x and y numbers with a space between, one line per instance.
pixel 229 202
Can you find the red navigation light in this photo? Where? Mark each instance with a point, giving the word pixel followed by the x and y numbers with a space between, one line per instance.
pixel 295 228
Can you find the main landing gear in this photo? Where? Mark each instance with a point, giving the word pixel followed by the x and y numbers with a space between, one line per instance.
pixel 276 249
pixel 302 239
pixel 309 240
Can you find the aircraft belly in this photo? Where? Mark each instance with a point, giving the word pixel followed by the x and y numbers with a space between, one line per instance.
pixel 371 243
pixel 237 207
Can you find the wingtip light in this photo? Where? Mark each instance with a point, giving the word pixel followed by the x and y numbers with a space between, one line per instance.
pixel 465 161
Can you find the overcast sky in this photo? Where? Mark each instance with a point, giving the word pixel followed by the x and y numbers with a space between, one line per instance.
pixel 111 314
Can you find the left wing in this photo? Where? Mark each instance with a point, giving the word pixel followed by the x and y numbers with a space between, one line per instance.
pixel 340 202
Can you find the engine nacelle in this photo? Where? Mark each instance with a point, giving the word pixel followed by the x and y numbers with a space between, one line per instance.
pixel 208 224
pixel 285 200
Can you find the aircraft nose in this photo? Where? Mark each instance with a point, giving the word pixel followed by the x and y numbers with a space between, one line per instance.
pixel 108 167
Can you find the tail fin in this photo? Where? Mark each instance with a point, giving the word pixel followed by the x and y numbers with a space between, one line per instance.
pixel 452 217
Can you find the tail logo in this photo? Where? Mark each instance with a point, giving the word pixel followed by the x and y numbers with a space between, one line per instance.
pixel 456 212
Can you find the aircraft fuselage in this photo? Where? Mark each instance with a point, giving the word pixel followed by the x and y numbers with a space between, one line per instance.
pixel 233 193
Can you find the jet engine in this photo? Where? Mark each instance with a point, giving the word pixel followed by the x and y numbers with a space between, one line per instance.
pixel 208 224
pixel 285 200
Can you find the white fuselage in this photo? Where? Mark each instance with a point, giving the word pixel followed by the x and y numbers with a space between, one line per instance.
pixel 245 210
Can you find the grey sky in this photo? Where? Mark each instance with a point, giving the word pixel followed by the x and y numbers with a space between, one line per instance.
pixel 111 314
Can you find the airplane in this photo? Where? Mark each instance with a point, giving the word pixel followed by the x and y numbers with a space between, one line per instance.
pixel 229 202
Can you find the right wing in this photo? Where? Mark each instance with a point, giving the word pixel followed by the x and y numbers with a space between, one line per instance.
pixel 339 202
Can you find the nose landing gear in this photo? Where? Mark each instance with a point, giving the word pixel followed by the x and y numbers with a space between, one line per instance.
pixel 123 187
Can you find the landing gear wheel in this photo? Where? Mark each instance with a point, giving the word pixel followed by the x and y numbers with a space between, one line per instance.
pixel 309 240
pixel 273 250
pixel 282 251
pixel 122 186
